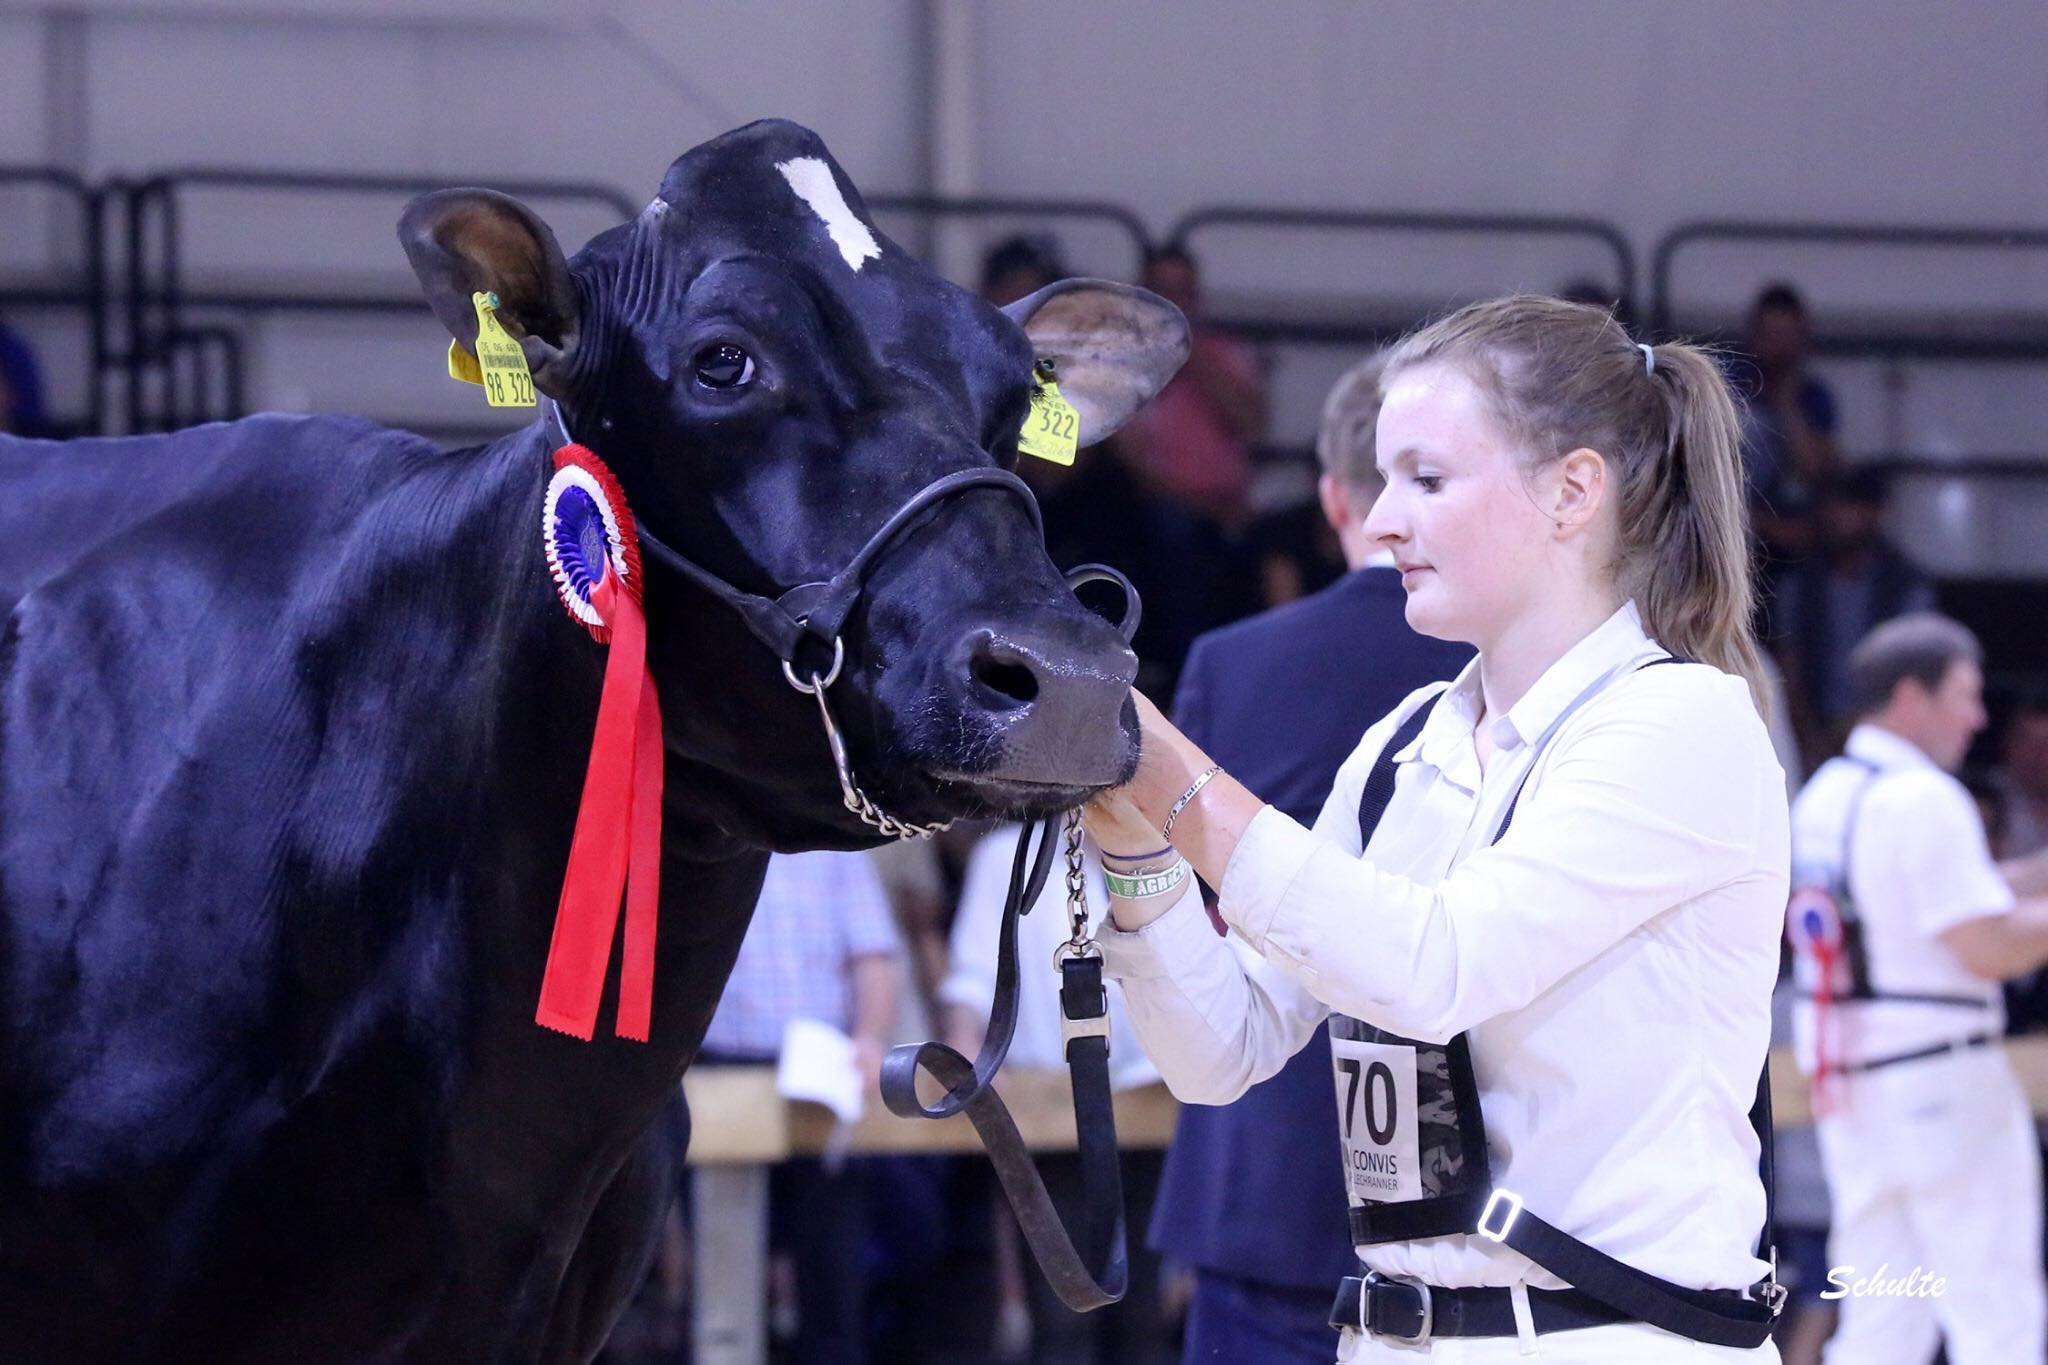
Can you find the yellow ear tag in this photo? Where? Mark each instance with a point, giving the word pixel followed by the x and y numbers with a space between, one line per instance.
pixel 499 366
pixel 1052 429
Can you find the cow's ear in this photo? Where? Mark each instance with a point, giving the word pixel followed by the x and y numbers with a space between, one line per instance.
pixel 1112 346
pixel 465 241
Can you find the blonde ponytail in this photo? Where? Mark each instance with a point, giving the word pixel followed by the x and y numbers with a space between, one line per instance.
pixel 1689 547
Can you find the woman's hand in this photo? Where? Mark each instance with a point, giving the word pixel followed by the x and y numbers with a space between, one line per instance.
pixel 1124 821
pixel 1127 821
pixel 1118 827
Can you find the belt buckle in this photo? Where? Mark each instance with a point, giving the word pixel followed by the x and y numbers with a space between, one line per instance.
pixel 1373 1280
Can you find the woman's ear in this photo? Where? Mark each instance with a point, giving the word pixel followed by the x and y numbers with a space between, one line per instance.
pixel 1578 489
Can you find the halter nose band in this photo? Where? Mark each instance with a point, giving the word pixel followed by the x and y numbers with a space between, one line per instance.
pixel 819 609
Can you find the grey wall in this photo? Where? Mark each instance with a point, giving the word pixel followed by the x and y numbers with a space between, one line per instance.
pixel 1646 114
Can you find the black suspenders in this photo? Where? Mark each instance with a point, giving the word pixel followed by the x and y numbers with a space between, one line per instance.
pixel 1861 987
pixel 1719 1317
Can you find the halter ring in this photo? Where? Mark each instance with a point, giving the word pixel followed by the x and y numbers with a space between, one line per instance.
pixel 817 684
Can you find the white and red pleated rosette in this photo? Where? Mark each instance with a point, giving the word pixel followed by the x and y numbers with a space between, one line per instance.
pixel 594 557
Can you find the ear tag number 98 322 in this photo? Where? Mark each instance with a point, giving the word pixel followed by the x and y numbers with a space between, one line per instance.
pixel 1052 428
pixel 499 366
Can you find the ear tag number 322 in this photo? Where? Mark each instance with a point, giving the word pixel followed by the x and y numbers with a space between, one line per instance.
pixel 1052 428
pixel 499 366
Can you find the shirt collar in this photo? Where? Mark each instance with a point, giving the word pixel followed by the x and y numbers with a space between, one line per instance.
pixel 1614 643
pixel 1381 559
pixel 1445 742
pixel 1881 748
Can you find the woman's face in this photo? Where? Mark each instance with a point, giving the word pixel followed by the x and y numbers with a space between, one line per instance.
pixel 1462 522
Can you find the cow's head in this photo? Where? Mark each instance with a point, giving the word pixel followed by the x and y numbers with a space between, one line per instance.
pixel 770 377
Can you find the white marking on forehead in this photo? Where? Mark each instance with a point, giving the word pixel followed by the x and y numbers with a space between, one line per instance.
pixel 812 180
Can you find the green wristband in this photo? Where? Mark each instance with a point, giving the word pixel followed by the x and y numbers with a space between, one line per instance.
pixel 1146 884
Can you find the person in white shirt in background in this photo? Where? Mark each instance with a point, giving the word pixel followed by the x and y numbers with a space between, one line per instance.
pixel 821 947
pixel 1925 1132
pixel 1126 1333
pixel 1571 503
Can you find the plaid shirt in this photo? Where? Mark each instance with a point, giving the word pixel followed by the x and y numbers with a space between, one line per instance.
pixel 817 912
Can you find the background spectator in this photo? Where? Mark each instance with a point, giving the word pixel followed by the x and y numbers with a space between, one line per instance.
pixel 1926 1136
pixel 22 409
pixel 1855 580
pixel 1192 443
pixel 1017 267
pixel 914 877
pixel 821 946
pixel 1190 454
pixel 2022 777
pixel 1789 423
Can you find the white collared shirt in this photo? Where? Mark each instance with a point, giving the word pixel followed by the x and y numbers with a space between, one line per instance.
pixel 1611 958
pixel 1919 865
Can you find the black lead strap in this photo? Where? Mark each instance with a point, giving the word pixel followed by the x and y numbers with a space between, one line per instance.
pixel 1083 1281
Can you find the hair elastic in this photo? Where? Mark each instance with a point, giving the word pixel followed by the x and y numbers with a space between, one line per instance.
pixel 1649 358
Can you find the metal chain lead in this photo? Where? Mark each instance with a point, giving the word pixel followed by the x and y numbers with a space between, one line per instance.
pixel 850 794
pixel 1077 888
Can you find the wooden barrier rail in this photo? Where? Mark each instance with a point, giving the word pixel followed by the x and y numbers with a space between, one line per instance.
pixel 737 1119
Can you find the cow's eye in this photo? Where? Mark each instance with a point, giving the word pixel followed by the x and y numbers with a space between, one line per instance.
pixel 723 365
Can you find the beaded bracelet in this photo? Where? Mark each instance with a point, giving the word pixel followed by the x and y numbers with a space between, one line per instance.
pixel 1130 860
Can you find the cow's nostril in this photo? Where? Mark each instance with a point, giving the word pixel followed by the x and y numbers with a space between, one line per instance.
pixel 1010 680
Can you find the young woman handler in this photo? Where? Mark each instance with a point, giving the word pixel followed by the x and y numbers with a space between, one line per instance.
pixel 1541 907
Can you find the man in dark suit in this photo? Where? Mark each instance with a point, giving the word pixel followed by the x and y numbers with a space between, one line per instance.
pixel 1253 1196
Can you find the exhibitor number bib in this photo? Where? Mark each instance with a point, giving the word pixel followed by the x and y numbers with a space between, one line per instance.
pixel 1376 1112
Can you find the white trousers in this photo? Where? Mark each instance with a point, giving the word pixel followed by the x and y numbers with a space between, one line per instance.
pixel 1631 1343
pixel 1934 1166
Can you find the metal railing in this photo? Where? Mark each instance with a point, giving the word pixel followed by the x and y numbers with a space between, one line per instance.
pixel 88 292
pixel 1885 339
pixel 931 207
pixel 163 386
pixel 1374 320
pixel 143 342
pixel 158 296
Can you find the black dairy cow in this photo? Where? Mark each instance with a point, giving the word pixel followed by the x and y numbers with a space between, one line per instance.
pixel 293 730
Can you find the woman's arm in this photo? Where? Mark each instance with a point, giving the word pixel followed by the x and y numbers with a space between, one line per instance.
pixel 1664 791
pixel 1212 1017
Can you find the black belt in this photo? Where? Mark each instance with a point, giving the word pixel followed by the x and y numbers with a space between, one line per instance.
pixel 1410 1311
pixel 1975 1040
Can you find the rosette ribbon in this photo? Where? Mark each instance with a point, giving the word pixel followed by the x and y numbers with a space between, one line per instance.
pixel 594 558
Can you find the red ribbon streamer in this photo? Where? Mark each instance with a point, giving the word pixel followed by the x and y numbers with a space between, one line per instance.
pixel 617 844
pixel 1826 1047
